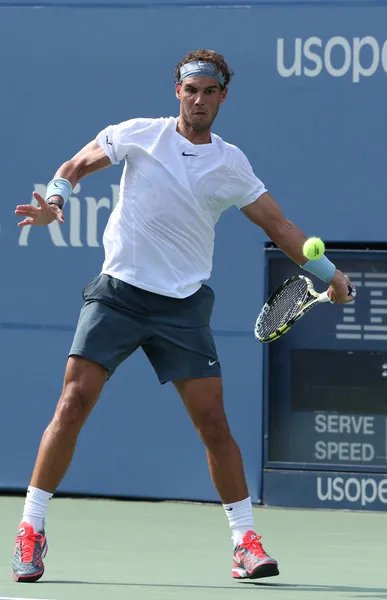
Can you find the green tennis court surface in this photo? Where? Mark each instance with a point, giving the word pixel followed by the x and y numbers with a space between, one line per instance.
pixel 100 549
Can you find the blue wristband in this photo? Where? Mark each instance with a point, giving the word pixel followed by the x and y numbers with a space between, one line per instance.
pixel 59 187
pixel 323 268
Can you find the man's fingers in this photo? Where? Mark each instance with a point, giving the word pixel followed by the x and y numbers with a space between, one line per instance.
pixel 26 210
pixel 60 217
pixel 40 199
pixel 337 297
pixel 25 222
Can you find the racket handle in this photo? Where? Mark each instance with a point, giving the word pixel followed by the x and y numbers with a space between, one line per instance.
pixel 351 291
pixel 325 298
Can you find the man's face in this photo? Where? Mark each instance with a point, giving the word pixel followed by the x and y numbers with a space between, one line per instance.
pixel 200 98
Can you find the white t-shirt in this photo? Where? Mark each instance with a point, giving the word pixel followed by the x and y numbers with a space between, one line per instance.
pixel 160 236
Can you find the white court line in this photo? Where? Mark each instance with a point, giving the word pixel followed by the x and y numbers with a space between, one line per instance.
pixel 13 598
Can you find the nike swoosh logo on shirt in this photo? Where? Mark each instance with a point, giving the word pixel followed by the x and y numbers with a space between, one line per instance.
pixel 187 154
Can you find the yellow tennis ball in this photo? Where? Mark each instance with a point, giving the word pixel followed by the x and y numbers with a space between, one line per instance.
pixel 313 249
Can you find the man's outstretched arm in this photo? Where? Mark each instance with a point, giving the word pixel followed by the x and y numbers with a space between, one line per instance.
pixel 266 213
pixel 90 159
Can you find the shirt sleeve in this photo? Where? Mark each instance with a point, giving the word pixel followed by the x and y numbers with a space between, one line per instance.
pixel 244 185
pixel 116 140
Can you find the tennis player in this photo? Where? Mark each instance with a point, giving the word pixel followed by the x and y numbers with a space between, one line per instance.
pixel 178 178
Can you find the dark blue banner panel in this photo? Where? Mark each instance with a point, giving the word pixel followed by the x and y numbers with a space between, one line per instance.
pixel 333 490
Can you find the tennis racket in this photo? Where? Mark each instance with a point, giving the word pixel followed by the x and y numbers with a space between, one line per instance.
pixel 291 301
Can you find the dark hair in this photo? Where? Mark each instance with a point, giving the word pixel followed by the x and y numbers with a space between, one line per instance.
pixel 206 56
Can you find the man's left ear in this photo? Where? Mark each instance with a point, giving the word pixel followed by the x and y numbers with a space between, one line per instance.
pixel 223 94
pixel 178 89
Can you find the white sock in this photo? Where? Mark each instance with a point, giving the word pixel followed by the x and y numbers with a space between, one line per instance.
pixel 240 517
pixel 35 507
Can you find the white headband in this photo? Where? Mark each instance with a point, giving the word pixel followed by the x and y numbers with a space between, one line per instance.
pixel 201 68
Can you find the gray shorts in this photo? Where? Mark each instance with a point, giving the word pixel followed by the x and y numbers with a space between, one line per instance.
pixel 175 334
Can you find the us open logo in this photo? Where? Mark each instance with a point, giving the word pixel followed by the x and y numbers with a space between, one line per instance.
pixel 337 56
pixel 361 490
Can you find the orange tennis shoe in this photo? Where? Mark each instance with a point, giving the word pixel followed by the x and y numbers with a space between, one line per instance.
pixel 30 549
pixel 250 561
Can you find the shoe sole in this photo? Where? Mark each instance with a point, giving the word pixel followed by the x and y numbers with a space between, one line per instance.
pixel 26 579
pixel 267 570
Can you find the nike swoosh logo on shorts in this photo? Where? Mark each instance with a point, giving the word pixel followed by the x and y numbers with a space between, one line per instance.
pixel 212 362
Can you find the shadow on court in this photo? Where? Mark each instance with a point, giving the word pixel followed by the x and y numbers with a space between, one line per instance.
pixel 334 589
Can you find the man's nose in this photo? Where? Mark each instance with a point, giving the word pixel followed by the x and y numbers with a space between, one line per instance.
pixel 199 99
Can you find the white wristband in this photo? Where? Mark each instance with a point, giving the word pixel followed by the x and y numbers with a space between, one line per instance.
pixel 323 268
pixel 59 187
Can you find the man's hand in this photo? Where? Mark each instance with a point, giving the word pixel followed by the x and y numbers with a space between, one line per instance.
pixel 44 214
pixel 338 289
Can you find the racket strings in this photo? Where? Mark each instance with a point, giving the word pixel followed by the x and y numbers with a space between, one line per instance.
pixel 282 308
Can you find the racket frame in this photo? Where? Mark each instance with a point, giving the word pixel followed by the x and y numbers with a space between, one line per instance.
pixel 312 298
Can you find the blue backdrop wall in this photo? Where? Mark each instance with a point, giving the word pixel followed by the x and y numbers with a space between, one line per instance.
pixel 307 105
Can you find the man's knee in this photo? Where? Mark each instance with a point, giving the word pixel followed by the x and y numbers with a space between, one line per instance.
pixel 214 429
pixel 73 406
pixel 83 384
pixel 203 399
